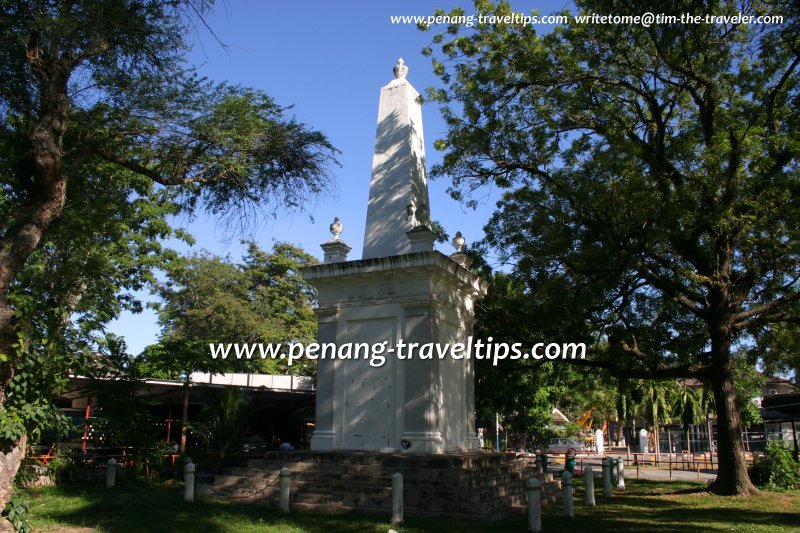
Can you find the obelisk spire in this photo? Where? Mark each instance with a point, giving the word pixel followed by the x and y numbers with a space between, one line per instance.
pixel 398 192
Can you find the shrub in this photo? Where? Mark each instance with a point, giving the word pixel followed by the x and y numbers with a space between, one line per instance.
pixel 16 512
pixel 777 470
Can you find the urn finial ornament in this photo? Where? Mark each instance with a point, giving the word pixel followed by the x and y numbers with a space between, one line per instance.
pixel 336 228
pixel 400 69
pixel 411 214
pixel 459 242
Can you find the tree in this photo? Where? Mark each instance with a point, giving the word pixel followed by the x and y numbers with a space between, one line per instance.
pixel 749 386
pixel 651 177
pixel 222 421
pixel 705 397
pixel 656 401
pixel 77 280
pixel 122 413
pixel 686 408
pixel 100 87
pixel 210 300
pixel 524 391
pixel 263 299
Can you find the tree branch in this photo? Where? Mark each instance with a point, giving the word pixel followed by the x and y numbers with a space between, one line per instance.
pixel 742 320
pixel 139 168
pixel 660 372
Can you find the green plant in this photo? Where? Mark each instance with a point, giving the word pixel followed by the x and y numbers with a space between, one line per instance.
pixel 777 470
pixel 571 430
pixel 16 511
pixel 63 464
pixel 221 424
pixel 541 438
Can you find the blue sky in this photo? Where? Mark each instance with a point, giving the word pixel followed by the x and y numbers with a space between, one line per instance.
pixel 329 60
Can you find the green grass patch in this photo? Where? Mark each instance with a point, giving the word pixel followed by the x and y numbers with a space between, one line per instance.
pixel 646 506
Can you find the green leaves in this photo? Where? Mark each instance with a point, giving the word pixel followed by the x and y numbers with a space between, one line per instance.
pixel 27 407
pixel 650 189
pixel 686 407
pixel 643 167
pixel 244 150
pixel 16 512
pixel 777 469
pixel 209 299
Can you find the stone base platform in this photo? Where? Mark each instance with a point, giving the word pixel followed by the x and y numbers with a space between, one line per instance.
pixel 475 486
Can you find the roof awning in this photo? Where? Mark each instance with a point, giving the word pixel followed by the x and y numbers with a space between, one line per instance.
pixel 787 404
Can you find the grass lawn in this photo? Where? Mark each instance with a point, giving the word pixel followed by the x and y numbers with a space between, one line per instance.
pixel 646 506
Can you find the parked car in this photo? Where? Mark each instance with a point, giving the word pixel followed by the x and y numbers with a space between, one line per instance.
pixel 525 453
pixel 564 445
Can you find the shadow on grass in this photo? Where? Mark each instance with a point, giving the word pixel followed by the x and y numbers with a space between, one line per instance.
pixel 657 506
pixel 646 506
pixel 157 509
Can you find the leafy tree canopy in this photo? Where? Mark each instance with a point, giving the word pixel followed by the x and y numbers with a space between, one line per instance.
pixel 101 116
pixel 101 89
pixel 524 392
pixel 209 299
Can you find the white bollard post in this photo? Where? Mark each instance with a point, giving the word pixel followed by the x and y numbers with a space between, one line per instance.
pixel 397 498
pixel 111 473
pixel 599 441
pixel 606 477
pixel 588 476
pixel 620 473
pixel 534 488
pixel 566 492
pixel 188 478
pixel 283 501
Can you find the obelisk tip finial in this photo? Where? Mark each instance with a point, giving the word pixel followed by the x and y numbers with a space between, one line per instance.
pixel 400 69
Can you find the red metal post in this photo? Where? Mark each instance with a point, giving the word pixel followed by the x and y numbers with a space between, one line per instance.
pixel 86 424
pixel 169 425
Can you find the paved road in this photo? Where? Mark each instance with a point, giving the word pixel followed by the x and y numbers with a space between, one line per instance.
pixel 662 473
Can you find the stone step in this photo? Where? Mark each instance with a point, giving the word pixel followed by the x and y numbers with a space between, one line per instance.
pixel 278 459
pixel 484 486
pixel 299 470
pixel 275 466
pixel 356 498
pixel 338 483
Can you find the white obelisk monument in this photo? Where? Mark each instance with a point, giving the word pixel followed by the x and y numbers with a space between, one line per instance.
pixel 401 290
pixel 398 191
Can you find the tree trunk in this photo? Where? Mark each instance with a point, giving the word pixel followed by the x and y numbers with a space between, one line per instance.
pixel 48 189
pixel 11 455
pixel 656 441
pixel 732 477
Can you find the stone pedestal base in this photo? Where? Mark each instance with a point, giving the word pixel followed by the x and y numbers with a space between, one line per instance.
pixel 475 486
